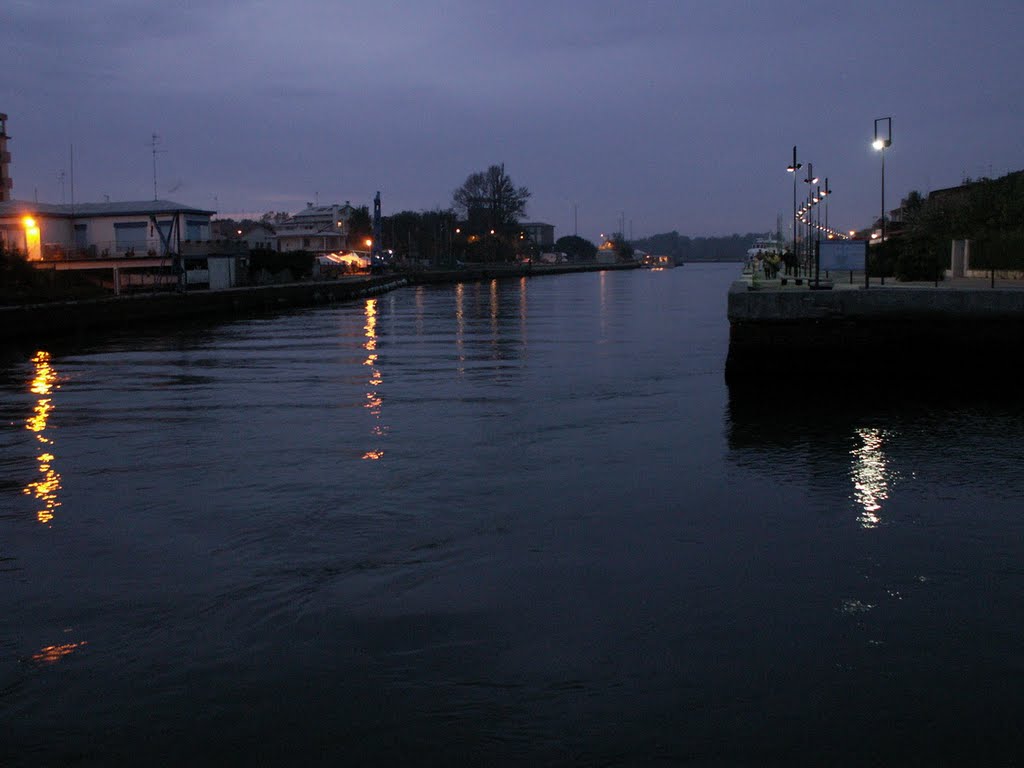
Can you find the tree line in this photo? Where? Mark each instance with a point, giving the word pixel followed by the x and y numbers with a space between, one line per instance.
pixel 988 212
pixel 683 248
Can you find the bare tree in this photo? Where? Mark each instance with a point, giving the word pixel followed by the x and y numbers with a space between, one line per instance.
pixel 489 198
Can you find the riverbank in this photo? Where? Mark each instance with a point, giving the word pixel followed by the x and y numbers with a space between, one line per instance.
pixel 37 322
pixel 955 331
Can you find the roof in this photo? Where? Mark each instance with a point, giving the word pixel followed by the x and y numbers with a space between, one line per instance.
pixel 322 211
pixel 129 208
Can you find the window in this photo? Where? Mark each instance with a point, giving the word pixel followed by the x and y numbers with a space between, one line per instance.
pixel 81 236
pixel 130 236
pixel 197 229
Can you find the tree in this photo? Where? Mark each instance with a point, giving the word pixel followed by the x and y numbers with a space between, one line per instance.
pixel 576 248
pixel 489 200
pixel 426 235
pixel 274 217
pixel 360 227
pixel 622 247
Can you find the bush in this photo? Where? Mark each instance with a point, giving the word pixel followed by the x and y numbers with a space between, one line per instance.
pixel 298 263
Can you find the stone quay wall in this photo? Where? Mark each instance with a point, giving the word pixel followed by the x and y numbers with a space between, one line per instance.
pixel 878 333
pixel 45 321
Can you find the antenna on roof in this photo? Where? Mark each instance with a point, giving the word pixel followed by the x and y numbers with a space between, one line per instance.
pixel 153 143
pixel 71 161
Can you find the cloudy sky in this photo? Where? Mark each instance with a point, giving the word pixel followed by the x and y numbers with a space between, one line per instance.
pixel 661 114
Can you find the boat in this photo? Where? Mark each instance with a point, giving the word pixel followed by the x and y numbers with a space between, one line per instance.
pixel 650 261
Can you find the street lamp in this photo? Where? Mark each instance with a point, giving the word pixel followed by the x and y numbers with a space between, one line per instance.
pixel 826 192
pixel 880 143
pixel 810 181
pixel 793 168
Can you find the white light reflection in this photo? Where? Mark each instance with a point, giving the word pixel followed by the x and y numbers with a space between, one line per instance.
pixel 460 326
pixel 869 473
pixel 493 304
pixel 603 292
pixel 522 309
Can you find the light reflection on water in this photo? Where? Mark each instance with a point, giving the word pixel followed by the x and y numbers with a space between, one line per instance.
pixel 870 476
pixel 590 554
pixel 374 400
pixel 51 654
pixel 45 489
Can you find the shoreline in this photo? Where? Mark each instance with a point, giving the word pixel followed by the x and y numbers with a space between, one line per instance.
pixel 949 334
pixel 24 324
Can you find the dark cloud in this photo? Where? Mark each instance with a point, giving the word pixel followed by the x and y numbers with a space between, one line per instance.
pixel 672 115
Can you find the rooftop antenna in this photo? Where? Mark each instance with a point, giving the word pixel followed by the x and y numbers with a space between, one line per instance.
pixel 153 144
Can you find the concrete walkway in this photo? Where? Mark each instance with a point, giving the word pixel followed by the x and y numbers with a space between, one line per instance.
pixel 844 282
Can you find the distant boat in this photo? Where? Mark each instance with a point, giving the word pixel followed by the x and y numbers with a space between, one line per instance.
pixel 765 246
pixel 651 261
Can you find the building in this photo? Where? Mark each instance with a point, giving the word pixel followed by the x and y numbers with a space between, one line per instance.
pixel 317 229
pixel 259 237
pixel 144 244
pixel 5 162
pixel 540 233
pixel 48 232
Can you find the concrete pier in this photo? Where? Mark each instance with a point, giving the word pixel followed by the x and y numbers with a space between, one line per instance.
pixel 958 330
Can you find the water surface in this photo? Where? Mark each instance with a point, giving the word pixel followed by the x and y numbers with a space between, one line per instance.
pixel 518 522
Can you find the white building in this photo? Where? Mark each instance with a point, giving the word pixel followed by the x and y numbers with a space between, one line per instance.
pixel 318 229
pixel 44 231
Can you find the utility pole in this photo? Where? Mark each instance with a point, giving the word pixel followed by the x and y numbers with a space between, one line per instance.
pixel 153 144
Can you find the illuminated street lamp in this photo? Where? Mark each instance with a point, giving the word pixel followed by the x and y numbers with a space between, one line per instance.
pixel 793 168
pixel 880 143
pixel 810 181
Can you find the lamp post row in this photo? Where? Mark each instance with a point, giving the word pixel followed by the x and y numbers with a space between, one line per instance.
pixel 881 142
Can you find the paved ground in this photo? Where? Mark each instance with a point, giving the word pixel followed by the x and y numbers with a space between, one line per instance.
pixel 843 281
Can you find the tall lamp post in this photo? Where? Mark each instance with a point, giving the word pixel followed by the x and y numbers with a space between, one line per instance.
pixel 880 143
pixel 793 168
pixel 811 180
pixel 818 198
pixel 826 192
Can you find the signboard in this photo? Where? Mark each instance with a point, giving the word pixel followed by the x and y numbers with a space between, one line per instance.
pixel 843 255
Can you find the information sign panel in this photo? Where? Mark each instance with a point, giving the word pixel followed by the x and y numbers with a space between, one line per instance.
pixel 843 255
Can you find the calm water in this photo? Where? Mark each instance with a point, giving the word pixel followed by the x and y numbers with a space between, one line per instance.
pixel 499 523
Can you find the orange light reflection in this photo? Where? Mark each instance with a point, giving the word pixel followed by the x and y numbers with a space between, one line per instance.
pixel 54 653
pixel 374 400
pixel 44 489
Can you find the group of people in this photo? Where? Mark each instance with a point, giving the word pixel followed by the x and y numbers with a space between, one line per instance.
pixel 768 264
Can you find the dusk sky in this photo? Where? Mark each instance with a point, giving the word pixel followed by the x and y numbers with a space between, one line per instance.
pixel 666 115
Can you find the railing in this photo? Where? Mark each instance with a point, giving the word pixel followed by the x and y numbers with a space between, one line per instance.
pixel 110 249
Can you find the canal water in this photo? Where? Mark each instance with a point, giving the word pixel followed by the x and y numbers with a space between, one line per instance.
pixel 500 523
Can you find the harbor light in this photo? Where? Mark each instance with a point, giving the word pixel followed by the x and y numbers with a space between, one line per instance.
pixel 880 143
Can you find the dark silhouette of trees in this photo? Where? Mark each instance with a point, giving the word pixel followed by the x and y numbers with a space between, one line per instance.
pixel 360 227
pixel 576 248
pixel 490 200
